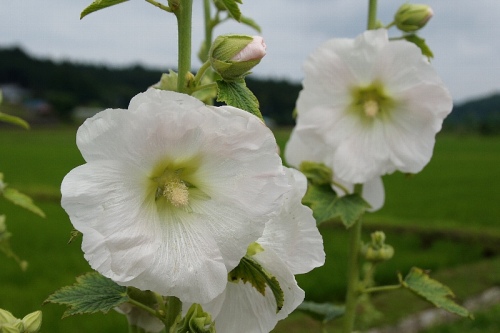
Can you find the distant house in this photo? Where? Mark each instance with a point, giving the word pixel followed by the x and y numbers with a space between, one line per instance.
pixel 80 113
pixel 13 93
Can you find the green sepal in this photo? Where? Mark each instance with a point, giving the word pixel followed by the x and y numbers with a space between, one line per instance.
pixel 327 205
pixel 422 45
pixel 22 200
pixel 251 23
pixel 237 94
pixel 91 293
pixel 323 312
pixel 233 8
pixel 432 291
pixel 316 173
pixel 195 321
pixel 98 5
pixel 249 270
pixel 14 120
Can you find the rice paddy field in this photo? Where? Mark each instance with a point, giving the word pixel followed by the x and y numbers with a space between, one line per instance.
pixel 445 219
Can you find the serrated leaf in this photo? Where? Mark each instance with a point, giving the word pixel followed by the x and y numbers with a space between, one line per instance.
pixel 433 291
pixel 249 270
pixel 14 120
pixel 237 94
pixel 327 205
pixel 323 312
pixel 22 200
pixel 91 293
pixel 420 42
pixel 98 5
pixel 233 8
pixel 251 23
pixel 316 173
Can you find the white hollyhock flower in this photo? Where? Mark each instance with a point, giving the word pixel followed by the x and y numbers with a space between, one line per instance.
pixel 306 145
pixel 291 244
pixel 173 192
pixel 377 105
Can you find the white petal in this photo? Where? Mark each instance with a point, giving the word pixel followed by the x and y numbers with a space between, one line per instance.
pixel 293 234
pixel 244 309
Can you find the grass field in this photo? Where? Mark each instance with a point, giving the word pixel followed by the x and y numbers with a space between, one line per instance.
pixel 444 219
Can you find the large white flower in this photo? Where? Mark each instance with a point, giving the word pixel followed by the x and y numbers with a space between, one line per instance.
pixel 376 104
pixel 291 244
pixel 306 145
pixel 173 192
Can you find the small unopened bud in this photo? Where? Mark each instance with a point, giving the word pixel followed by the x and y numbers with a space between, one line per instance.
pixel 377 250
pixel 233 56
pixel 32 322
pixel 412 17
pixel 6 317
pixel 11 328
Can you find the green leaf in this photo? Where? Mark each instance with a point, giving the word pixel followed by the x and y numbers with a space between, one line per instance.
pixel 249 270
pixel 14 120
pixel 22 200
pixel 236 93
pixel 250 22
pixel 91 293
pixel 316 173
pixel 233 8
pixel 420 42
pixel 324 312
pixel 98 5
pixel 433 291
pixel 327 205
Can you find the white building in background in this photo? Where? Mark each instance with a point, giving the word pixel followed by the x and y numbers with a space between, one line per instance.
pixel 13 93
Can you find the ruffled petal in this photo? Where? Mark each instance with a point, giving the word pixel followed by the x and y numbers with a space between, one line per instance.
pixel 244 309
pixel 293 234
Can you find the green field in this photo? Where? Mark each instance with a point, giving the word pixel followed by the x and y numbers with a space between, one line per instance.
pixel 444 219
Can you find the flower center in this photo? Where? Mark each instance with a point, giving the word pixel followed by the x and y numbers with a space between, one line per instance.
pixel 173 188
pixel 371 108
pixel 176 192
pixel 371 101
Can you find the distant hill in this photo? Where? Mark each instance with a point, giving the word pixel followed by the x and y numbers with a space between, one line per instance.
pixel 65 85
pixel 479 115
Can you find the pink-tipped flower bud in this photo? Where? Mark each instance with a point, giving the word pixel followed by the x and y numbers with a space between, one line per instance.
pixel 233 56
pixel 412 17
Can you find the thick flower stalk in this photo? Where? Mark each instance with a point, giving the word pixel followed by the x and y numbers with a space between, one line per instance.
pixel 375 104
pixel 291 244
pixel 173 192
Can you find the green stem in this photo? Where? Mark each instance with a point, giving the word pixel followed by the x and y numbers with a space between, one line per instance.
pixel 382 288
pixel 184 21
pixel 205 86
pixel 353 272
pixel 208 26
pixel 144 307
pixel 201 72
pixel 159 5
pixel 174 307
pixel 372 14
pixel 340 186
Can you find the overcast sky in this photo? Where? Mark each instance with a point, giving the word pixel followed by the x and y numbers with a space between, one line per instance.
pixel 464 35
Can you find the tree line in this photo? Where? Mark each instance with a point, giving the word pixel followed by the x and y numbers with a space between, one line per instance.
pixel 65 85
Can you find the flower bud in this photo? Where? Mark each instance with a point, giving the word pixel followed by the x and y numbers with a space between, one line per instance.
pixel 377 250
pixel 11 328
pixel 32 322
pixel 232 56
pixel 411 17
pixel 6 317
pixel 3 228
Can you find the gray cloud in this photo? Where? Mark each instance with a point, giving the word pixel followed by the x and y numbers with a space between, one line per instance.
pixel 463 34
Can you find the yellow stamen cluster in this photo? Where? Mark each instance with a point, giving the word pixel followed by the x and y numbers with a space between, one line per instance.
pixel 176 192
